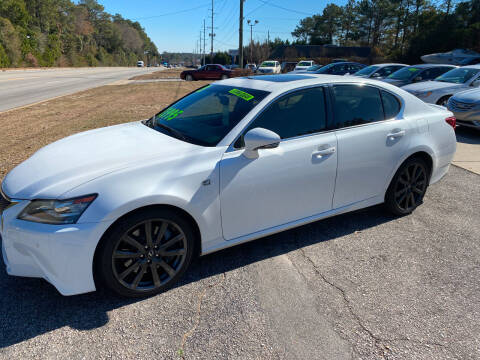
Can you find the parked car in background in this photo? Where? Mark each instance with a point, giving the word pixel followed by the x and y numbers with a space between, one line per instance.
pixel 465 105
pixel 140 63
pixel 441 88
pixel 287 66
pixel 251 66
pixel 340 68
pixel 454 57
pixel 207 72
pixel 129 206
pixel 304 64
pixel 269 67
pixel 339 60
pixel 379 71
pixel 417 73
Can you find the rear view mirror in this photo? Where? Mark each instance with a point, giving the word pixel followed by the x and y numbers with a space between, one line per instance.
pixel 259 138
pixel 375 75
pixel 417 79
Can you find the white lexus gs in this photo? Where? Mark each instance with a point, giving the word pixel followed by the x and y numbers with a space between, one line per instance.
pixel 128 206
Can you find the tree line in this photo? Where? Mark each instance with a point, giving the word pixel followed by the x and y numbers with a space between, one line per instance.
pixel 401 30
pixel 64 33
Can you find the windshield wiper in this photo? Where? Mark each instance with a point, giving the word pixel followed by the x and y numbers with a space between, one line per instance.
pixel 172 131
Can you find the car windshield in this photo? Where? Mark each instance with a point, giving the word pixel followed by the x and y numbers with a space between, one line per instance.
pixel 405 73
pixel 268 64
pixel 326 68
pixel 304 63
pixel 458 76
pixel 205 116
pixel 314 67
pixel 367 70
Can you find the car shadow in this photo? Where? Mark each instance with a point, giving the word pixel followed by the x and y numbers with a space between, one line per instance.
pixel 467 135
pixel 32 307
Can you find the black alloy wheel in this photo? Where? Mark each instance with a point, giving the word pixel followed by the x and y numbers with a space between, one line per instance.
pixel 146 254
pixel 408 187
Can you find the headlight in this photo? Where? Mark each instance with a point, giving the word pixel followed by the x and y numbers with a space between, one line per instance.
pixel 56 212
pixel 424 95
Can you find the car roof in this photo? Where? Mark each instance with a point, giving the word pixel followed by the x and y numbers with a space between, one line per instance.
pixel 426 66
pixel 389 64
pixel 284 82
pixel 476 66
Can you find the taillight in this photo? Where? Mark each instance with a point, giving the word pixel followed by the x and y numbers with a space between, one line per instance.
pixel 452 121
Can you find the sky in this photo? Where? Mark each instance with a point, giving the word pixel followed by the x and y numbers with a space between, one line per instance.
pixel 175 25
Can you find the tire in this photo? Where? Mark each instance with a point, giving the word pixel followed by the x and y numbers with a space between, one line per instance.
pixel 133 265
pixel 223 77
pixel 443 100
pixel 408 187
pixel 189 77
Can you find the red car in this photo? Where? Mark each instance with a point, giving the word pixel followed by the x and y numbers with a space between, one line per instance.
pixel 207 72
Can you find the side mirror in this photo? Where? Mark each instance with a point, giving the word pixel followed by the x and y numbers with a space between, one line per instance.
pixel 476 83
pixel 375 75
pixel 259 138
pixel 417 79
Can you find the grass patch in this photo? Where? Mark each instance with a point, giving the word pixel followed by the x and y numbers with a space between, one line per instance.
pixel 164 74
pixel 26 130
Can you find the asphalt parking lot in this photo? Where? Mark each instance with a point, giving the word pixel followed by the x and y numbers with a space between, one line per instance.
pixel 361 285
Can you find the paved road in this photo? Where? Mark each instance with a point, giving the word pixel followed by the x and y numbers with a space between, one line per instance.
pixel 23 87
pixel 358 286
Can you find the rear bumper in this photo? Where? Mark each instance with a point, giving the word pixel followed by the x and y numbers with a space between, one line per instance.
pixel 62 255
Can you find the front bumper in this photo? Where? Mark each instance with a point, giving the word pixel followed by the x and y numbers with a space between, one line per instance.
pixel 61 254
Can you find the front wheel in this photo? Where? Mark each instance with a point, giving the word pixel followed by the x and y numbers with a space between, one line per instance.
pixel 189 77
pixel 408 187
pixel 223 77
pixel 443 101
pixel 146 253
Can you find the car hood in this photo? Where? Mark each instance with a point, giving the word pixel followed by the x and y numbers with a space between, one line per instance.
pixel 468 96
pixel 431 86
pixel 75 160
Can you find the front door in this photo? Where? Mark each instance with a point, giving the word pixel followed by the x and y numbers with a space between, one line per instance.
pixel 294 181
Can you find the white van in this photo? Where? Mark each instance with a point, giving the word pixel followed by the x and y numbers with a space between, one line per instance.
pixel 140 63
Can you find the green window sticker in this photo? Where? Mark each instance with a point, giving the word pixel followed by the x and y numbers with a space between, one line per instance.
pixel 169 114
pixel 241 94
pixel 204 88
pixel 412 69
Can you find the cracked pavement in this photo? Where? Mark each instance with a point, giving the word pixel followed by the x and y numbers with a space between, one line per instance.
pixel 358 286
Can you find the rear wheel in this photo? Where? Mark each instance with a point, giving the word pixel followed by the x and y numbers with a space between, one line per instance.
pixel 146 253
pixel 189 77
pixel 408 187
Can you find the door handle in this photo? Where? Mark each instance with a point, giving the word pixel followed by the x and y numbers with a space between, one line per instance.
pixel 328 151
pixel 396 134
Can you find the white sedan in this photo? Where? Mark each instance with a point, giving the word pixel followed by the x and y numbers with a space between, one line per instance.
pixel 128 206
pixel 443 87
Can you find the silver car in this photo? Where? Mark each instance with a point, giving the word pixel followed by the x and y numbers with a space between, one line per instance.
pixel 466 107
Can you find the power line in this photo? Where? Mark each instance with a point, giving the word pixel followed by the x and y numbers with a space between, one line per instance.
pixel 172 13
pixel 266 2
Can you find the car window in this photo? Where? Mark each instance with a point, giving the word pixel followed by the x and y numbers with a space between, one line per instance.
pixel 356 105
pixel 391 105
pixel 339 69
pixel 205 116
pixel 387 70
pixel 299 113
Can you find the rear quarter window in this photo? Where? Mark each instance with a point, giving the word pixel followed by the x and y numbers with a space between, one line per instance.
pixel 391 105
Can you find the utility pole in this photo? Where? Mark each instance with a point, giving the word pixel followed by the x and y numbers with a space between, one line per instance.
pixel 200 48
pixel 204 40
pixel 240 37
pixel 212 34
pixel 251 24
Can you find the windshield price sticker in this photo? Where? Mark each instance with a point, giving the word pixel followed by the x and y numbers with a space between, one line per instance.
pixel 241 94
pixel 169 114
pixel 412 69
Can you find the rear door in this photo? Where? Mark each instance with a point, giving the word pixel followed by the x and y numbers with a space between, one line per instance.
pixel 371 140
